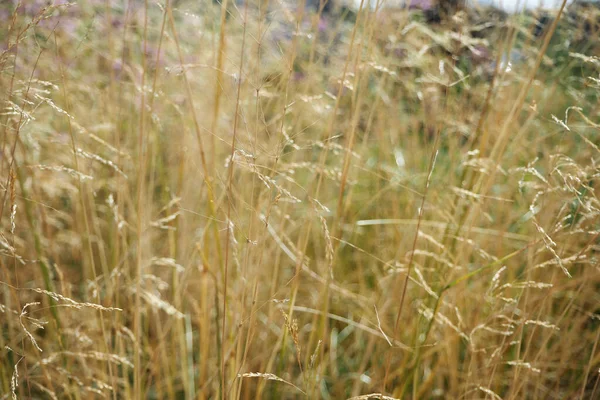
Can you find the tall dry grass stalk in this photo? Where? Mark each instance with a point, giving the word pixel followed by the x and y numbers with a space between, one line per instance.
pixel 270 199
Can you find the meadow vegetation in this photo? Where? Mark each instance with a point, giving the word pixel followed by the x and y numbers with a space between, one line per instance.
pixel 263 200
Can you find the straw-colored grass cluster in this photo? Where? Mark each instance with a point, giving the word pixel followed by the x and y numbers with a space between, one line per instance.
pixel 248 200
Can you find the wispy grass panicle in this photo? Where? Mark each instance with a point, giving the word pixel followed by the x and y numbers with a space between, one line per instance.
pixel 277 199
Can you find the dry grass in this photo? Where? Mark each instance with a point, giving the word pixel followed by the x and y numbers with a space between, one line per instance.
pixel 205 200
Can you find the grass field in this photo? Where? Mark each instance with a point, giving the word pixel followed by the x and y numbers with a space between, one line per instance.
pixel 229 201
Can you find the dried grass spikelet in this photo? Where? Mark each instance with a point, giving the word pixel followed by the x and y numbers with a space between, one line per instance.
pixel 330 172
pixel 7 249
pixel 432 240
pixel 14 379
pixel 104 161
pixel 566 261
pixel 53 105
pixel 161 223
pixel 588 59
pixel 387 339
pixel 68 374
pixel 495 283
pixel 118 218
pixel 29 335
pixel 523 364
pixel 484 327
pixel 79 336
pixel 441 318
pixel 13 198
pixel 313 357
pixel 292 327
pixel 489 392
pixel 543 324
pixel 72 303
pixel 158 283
pixel 549 244
pixel 483 165
pixel 62 168
pixel 166 262
pixel 100 140
pixel 482 253
pixel 269 377
pixel 526 285
pixel 335 148
pixel 233 243
pixel 437 257
pixel 247 162
pixel 373 396
pixel 16 110
pixel 159 304
pixel 329 245
pixel 423 283
pixel 92 355
pixel 329 252
pixel 4 309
